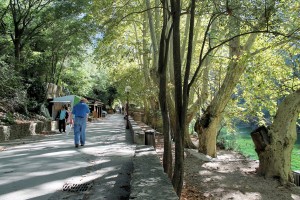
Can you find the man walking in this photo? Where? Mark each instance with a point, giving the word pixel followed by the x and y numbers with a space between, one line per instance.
pixel 81 111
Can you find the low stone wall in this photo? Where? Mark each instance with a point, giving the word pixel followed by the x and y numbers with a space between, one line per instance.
pixel 138 116
pixel 148 179
pixel 25 129
pixel 141 133
pixel 21 130
pixel 137 132
pixel 2 131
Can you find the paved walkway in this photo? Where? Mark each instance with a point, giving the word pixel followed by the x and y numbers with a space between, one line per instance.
pixel 43 168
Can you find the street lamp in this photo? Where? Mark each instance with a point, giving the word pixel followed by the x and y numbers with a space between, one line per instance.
pixel 127 90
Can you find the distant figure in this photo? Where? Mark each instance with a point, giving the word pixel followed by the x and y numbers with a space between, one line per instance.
pixel 62 115
pixel 70 117
pixel 81 111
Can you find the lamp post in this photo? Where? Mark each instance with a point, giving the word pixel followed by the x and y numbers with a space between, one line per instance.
pixel 127 90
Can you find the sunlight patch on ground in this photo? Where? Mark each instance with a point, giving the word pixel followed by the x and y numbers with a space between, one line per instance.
pixel 213 165
pixel 91 175
pixel 295 197
pixel 238 195
pixel 29 193
pixel 205 173
pixel 56 154
pixel 36 175
pixel 213 179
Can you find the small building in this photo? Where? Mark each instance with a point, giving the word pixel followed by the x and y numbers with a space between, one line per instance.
pixel 96 106
pixel 58 102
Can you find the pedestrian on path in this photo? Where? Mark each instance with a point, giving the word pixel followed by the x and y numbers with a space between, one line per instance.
pixel 80 111
pixel 62 115
pixel 70 117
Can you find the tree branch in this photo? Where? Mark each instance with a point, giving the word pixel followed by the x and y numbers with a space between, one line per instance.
pixel 276 33
pixel 137 12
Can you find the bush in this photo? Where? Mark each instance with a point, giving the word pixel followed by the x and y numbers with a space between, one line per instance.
pixel 227 140
pixel 10 84
pixel 37 92
pixel 8 119
pixel 36 96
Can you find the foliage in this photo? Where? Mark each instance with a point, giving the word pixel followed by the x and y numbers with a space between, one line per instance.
pixel 10 84
pixel 227 140
pixel 39 40
pixel 191 127
pixel 107 96
pixel 37 91
pixel 8 119
pixel 52 33
pixel 133 77
pixel 36 95
pixel 269 77
pixel 295 162
pixel 82 77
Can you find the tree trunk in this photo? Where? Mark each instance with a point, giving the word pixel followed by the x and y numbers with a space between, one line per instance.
pixel 145 67
pixel 213 115
pixel 153 38
pixel 188 143
pixel 162 72
pixel 172 113
pixel 185 37
pixel 177 179
pixel 207 127
pixel 17 46
pixel 25 25
pixel 152 71
pixel 186 86
pixel 274 145
pixel 157 17
pixel 191 111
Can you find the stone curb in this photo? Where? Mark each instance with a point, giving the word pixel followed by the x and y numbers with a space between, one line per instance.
pixel 148 179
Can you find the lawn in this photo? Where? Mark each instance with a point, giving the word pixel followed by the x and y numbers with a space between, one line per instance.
pixel 245 145
pixel 241 141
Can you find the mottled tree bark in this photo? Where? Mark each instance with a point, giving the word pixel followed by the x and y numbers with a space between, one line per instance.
pixel 274 145
pixel 208 125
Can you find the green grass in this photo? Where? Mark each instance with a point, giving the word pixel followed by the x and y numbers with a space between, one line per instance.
pixel 245 145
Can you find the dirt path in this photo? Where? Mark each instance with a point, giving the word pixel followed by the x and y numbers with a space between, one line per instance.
pixel 229 176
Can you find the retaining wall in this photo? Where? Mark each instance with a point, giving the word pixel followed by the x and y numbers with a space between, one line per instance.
pixel 148 178
pixel 25 129
pixel 142 134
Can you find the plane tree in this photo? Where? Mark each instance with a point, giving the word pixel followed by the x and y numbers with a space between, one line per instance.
pixel 240 54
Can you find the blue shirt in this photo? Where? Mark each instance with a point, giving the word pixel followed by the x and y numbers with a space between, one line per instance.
pixel 81 110
pixel 62 114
